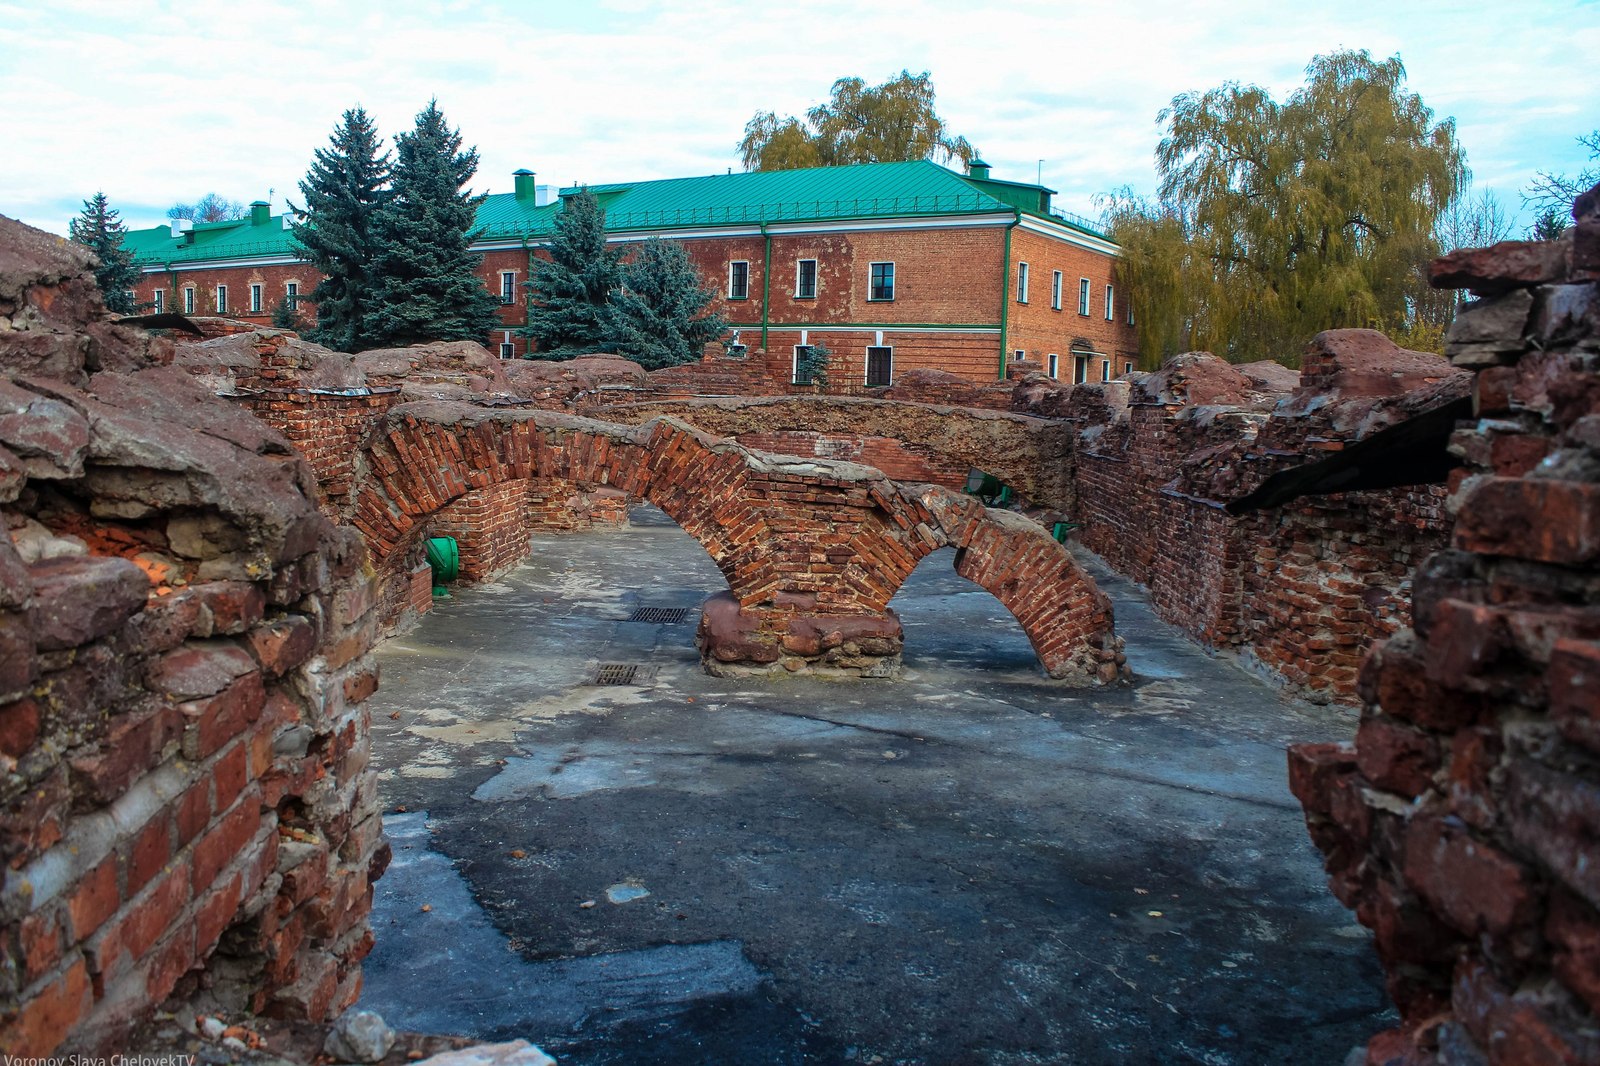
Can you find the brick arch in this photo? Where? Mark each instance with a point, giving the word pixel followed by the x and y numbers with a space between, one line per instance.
pixel 812 550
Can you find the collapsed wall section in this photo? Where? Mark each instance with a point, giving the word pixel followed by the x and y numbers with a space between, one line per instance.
pixel 185 799
pixel 1461 825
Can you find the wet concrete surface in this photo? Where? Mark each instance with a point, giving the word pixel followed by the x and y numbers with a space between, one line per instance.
pixel 973 864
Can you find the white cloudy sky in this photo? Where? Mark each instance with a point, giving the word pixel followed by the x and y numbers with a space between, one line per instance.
pixel 156 102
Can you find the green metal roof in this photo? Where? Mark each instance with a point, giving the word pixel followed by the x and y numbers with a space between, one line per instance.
pixel 864 191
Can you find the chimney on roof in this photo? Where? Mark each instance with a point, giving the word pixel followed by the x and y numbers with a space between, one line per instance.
pixel 977 168
pixel 260 213
pixel 544 194
pixel 522 183
pixel 180 226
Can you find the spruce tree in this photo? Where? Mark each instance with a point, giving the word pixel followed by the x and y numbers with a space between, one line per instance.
pixel 569 293
pixel 658 317
pixel 100 230
pixel 344 191
pixel 427 283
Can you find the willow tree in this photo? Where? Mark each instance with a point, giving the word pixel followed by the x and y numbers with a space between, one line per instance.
pixel 1279 219
pixel 890 123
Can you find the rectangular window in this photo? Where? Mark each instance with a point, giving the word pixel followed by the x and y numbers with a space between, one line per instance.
pixel 1083 296
pixel 880 363
pixel 508 350
pixel 1018 355
pixel 881 286
pixel 1055 358
pixel 1055 293
pixel 291 294
pixel 734 351
pixel 739 280
pixel 1022 283
pixel 805 279
pixel 1127 368
pixel 158 302
pixel 188 300
pixel 1111 303
pixel 508 286
pixel 1130 312
pixel 255 299
pixel 222 299
pixel 1105 370
pixel 804 369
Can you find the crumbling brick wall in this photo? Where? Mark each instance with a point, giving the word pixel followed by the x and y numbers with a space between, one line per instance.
pixel 1303 590
pixel 184 791
pixel 1462 824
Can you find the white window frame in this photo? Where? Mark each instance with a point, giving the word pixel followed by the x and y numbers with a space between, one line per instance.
pixel 1111 303
pixel 1055 292
pixel 291 294
pixel 1080 368
pixel 1127 368
pixel 221 298
pixel 1105 370
pixel 508 349
pixel 1019 355
pixel 794 374
pixel 1022 283
pixel 508 287
pixel 866 368
pixel 158 301
pixel 890 263
pixel 745 295
pixel 255 298
pixel 799 274
pixel 735 351
pixel 188 299
pixel 1085 296
pixel 1054 360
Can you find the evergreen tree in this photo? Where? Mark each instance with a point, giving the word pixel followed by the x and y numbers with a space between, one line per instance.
pixel 658 317
pixel 344 191
pixel 100 230
pixel 427 286
pixel 568 294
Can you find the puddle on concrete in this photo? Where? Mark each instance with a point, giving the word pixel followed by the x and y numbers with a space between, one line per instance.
pixel 449 970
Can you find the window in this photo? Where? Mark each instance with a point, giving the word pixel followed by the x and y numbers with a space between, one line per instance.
pixel 882 285
pixel 1083 296
pixel 1080 369
pixel 188 299
pixel 291 294
pixel 1127 368
pixel 222 299
pixel 805 365
pixel 734 351
pixel 739 280
pixel 1018 355
pixel 1055 292
pixel 1130 312
pixel 255 299
pixel 1111 305
pixel 508 350
pixel 805 279
pixel 158 301
pixel 880 360
pixel 1055 358
pixel 508 286
pixel 1105 370
pixel 1022 283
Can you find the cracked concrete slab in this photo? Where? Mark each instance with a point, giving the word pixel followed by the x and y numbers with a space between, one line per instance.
pixel 972 864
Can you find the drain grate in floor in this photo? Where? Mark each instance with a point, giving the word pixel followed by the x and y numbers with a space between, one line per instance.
pixel 623 674
pixel 659 615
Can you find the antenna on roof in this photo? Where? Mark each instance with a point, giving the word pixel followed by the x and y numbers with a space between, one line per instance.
pixel 270 191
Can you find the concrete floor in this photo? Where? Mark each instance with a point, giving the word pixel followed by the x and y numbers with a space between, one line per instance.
pixel 971 865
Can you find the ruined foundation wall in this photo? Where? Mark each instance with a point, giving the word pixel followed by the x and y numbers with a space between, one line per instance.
pixel 185 800
pixel 1303 590
pixel 1461 826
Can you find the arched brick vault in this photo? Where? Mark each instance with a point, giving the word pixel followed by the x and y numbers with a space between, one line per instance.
pixel 830 539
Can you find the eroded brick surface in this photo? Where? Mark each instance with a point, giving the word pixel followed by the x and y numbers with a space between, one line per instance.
pixel 1475 764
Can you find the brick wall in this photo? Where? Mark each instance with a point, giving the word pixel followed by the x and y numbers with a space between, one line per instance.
pixel 1461 824
pixel 326 428
pixel 1303 591
pixel 1039 328
pixel 183 737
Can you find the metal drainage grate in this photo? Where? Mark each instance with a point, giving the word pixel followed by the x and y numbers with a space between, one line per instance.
pixel 623 674
pixel 659 615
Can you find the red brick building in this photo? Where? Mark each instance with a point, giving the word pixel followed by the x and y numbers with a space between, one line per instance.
pixel 890 266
